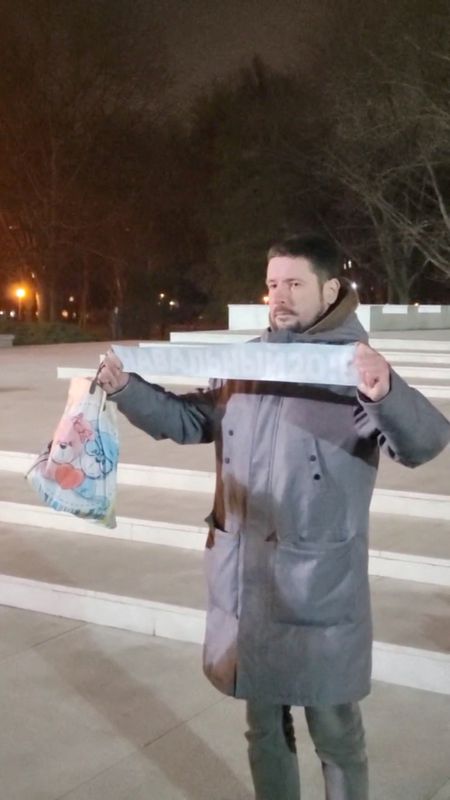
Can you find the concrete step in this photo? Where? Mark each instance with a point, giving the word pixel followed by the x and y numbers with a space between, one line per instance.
pixel 418 537
pixel 198 486
pixel 212 337
pixel 418 358
pixel 425 373
pixel 171 495
pixel 142 502
pixel 407 548
pixel 433 342
pixel 431 478
pixel 160 591
pixel 422 564
pixel 129 474
pixel 410 549
pixel 432 391
pixel 410 342
pixel 391 496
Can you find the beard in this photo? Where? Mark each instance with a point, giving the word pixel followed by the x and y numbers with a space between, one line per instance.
pixel 292 322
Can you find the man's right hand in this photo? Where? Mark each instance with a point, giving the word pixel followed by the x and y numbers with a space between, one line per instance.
pixel 111 376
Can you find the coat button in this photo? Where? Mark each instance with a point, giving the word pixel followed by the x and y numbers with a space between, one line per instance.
pixel 317 477
pixel 230 433
pixel 313 458
pixel 227 460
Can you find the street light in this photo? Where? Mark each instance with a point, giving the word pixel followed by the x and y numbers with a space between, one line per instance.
pixel 20 294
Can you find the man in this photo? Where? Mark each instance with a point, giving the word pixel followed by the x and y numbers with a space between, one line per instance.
pixel 289 618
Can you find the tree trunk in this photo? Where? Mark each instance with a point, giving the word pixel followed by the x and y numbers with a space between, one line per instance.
pixel 404 295
pixel 52 303
pixel 398 282
pixel 398 290
pixel 45 301
pixel 83 307
pixel 41 302
pixel 391 291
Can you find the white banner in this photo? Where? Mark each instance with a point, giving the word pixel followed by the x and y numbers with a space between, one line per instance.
pixel 260 361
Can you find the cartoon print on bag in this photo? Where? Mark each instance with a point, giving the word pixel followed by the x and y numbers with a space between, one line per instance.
pixel 64 452
pixel 79 456
pixel 97 460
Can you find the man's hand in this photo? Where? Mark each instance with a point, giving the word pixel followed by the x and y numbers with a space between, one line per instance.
pixel 373 371
pixel 111 376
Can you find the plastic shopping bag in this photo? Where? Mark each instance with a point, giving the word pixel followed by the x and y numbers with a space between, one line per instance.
pixel 78 470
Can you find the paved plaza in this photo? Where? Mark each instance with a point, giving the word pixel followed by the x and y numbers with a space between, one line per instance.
pixel 97 712
pixel 94 713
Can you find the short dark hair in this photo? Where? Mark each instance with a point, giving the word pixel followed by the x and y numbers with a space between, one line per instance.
pixel 324 255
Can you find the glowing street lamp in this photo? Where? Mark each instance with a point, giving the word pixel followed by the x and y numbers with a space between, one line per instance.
pixel 20 294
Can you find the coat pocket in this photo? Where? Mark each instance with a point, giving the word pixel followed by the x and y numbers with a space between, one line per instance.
pixel 314 585
pixel 222 570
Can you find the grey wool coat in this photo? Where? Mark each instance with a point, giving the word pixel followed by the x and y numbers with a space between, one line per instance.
pixel 289 614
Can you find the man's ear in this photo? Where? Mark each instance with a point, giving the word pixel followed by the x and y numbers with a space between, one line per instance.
pixel 331 290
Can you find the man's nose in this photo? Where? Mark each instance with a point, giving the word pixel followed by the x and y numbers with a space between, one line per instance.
pixel 280 294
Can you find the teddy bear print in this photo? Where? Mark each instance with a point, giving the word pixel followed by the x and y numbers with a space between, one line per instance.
pixel 79 455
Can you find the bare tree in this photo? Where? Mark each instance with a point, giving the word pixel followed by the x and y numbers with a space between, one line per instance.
pixel 69 71
pixel 383 79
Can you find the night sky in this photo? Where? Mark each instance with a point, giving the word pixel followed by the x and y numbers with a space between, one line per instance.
pixel 206 39
pixel 206 185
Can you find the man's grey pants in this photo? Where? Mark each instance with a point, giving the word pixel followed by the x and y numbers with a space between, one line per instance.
pixel 338 736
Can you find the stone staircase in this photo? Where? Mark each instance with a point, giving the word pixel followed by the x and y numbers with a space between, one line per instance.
pixel 146 575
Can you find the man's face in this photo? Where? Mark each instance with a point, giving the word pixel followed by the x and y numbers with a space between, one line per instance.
pixel 296 298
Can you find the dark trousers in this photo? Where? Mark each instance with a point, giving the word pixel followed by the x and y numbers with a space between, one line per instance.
pixel 338 736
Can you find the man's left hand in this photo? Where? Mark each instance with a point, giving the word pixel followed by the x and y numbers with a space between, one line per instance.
pixel 373 372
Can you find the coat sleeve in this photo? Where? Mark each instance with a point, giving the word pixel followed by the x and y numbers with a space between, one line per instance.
pixel 409 428
pixel 187 419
